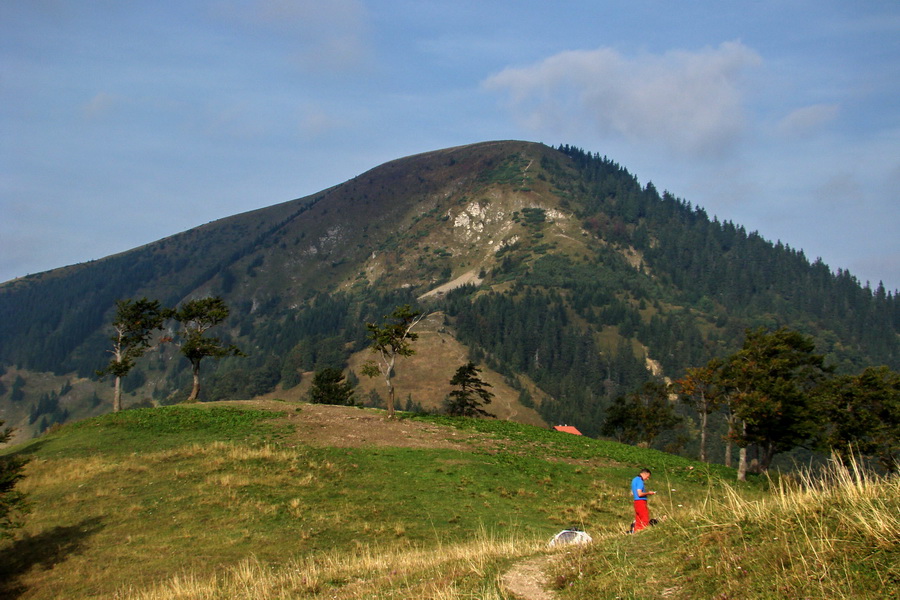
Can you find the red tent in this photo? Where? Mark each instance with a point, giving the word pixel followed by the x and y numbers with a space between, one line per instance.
pixel 566 429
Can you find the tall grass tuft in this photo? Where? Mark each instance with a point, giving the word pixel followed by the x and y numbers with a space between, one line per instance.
pixel 845 497
pixel 449 572
pixel 819 532
pixel 830 534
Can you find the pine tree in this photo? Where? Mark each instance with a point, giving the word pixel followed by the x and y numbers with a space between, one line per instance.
pixel 196 318
pixel 864 416
pixel 471 395
pixel 641 416
pixel 770 382
pixel 135 322
pixel 329 387
pixel 698 388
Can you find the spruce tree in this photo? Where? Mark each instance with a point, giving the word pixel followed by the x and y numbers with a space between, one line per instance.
pixel 329 387
pixel 471 393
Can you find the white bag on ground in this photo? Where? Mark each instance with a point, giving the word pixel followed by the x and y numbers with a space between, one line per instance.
pixel 570 536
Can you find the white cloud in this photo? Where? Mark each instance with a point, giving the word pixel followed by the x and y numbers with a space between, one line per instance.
pixel 690 102
pixel 807 121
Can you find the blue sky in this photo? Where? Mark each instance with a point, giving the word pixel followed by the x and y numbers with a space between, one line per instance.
pixel 123 122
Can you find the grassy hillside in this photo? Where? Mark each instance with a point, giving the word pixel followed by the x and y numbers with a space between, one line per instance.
pixel 145 502
pixel 556 271
pixel 270 499
pixel 832 535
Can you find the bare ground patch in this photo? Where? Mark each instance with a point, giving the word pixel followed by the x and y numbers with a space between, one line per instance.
pixel 527 580
pixel 353 427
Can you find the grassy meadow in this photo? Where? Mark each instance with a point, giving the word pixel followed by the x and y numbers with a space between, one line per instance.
pixel 833 534
pixel 234 501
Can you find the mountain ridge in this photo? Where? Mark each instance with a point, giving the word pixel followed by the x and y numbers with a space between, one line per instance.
pixel 579 279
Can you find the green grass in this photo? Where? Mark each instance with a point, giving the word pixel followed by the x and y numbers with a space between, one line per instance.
pixel 212 501
pixel 835 536
pixel 133 502
pixel 148 429
pixel 523 438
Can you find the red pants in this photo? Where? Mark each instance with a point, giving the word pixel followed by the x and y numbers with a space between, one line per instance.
pixel 641 515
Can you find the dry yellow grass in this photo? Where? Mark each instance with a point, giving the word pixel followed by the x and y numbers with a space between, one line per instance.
pixel 446 572
pixel 811 526
pixel 824 535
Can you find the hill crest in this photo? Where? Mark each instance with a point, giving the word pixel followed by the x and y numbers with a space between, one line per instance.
pixel 552 268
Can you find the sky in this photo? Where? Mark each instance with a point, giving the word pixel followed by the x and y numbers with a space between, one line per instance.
pixel 123 122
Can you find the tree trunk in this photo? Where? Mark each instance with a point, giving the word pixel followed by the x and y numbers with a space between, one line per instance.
pixel 117 395
pixel 728 440
pixel 195 391
pixel 767 455
pixel 387 380
pixel 390 403
pixel 704 417
pixel 742 458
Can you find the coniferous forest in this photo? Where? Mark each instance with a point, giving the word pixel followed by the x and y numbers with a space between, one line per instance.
pixel 592 286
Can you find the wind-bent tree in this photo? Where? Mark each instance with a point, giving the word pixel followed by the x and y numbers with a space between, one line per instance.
pixel 329 387
pixel 391 339
pixel 863 414
pixel 196 318
pixel 699 389
pixel 471 393
pixel 135 322
pixel 12 502
pixel 770 382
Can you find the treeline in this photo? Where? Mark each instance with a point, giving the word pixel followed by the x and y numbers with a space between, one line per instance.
pixel 532 333
pixel 775 394
pixel 280 345
pixel 48 411
pixel 720 268
pixel 611 296
pixel 584 327
pixel 54 321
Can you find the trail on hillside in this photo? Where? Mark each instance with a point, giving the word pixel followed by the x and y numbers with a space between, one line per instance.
pixel 346 426
pixel 528 579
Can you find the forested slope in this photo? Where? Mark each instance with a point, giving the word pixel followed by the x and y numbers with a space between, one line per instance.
pixel 587 283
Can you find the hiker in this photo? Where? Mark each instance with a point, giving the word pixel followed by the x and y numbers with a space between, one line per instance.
pixel 641 512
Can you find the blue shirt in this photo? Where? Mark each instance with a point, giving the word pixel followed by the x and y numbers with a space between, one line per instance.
pixel 637 484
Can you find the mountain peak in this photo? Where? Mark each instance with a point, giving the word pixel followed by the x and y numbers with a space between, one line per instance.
pixel 554 269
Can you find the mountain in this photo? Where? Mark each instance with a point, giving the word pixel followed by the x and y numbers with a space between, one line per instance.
pixel 553 268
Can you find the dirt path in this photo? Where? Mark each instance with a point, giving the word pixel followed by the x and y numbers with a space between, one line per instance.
pixel 465 278
pixel 528 579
